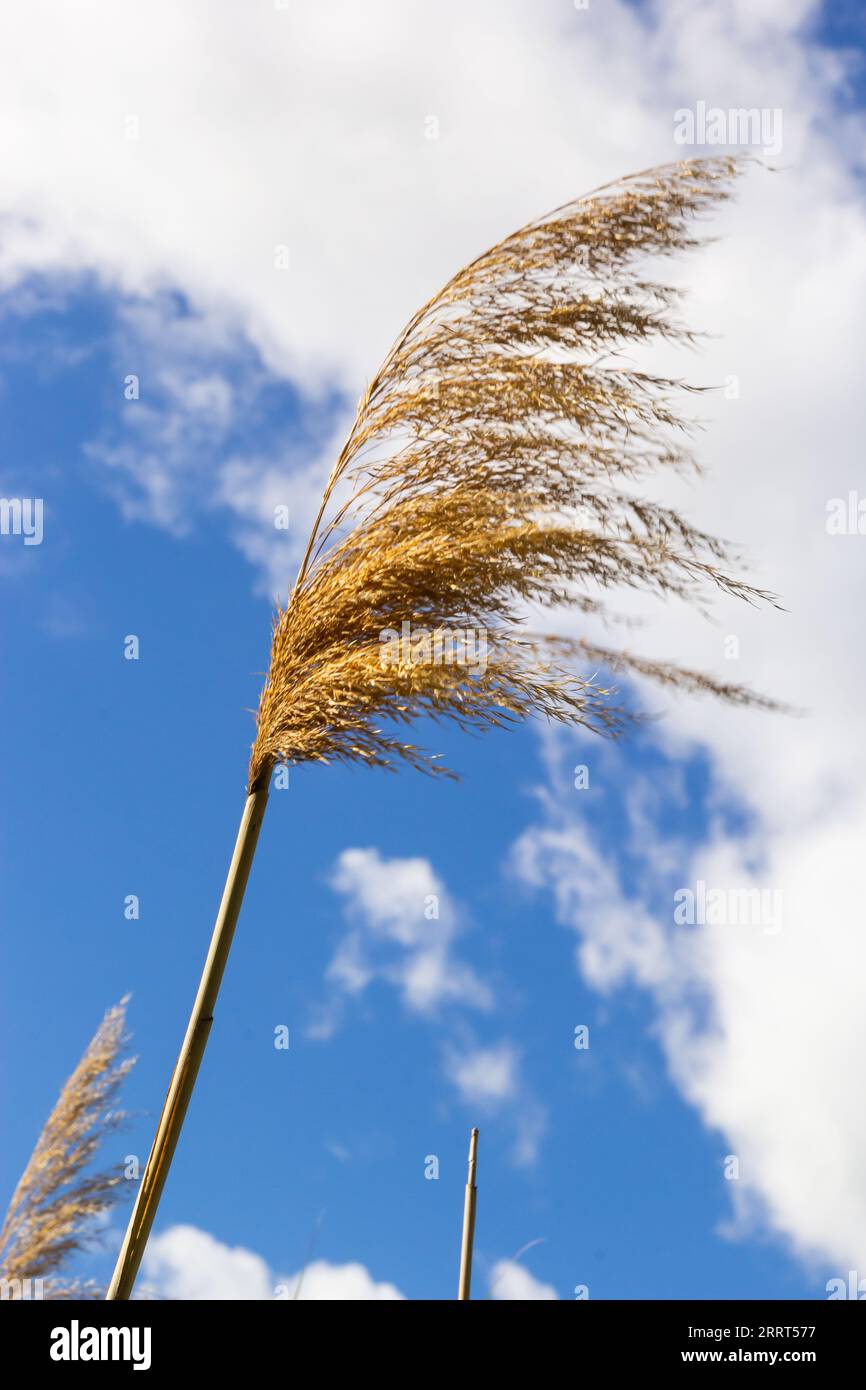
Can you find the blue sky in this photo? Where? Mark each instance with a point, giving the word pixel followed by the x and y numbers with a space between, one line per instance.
pixel 127 777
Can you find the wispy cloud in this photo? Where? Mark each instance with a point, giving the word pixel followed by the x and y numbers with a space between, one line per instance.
pixel 403 931
pixel 754 1017
pixel 487 1077
pixel 489 1080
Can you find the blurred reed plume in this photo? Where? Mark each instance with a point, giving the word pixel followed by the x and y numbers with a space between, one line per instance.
pixel 57 1199
pixel 493 467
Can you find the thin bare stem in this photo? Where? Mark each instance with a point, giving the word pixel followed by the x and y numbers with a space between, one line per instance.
pixel 188 1062
pixel 469 1203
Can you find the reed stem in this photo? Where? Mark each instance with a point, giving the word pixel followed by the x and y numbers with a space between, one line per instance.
pixel 188 1062
pixel 468 1221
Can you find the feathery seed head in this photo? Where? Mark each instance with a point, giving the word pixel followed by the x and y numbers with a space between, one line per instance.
pixel 489 468
pixel 57 1199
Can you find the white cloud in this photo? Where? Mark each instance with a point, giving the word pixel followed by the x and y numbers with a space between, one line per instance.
pixel 406 925
pixel 620 938
pixel 489 1080
pixel 486 1077
pixel 351 1282
pixel 510 1282
pixel 180 383
pixel 253 487
pixel 187 1263
pixel 125 158
pixel 762 1028
pixel 128 156
pixel 394 937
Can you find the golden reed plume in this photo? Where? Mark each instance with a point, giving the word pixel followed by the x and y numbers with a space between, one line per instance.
pixel 57 1200
pixel 488 468
pixel 492 468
